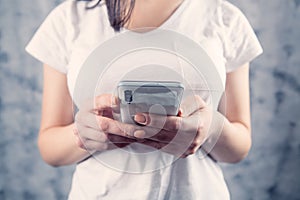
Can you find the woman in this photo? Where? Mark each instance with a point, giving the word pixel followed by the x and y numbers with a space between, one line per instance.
pixel 63 42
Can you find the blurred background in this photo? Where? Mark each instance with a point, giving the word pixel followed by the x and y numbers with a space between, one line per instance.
pixel 271 171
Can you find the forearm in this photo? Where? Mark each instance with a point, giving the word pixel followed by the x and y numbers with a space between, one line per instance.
pixel 58 146
pixel 230 141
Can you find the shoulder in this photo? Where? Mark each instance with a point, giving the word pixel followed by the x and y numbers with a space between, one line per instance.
pixel 70 10
pixel 220 12
pixel 240 42
pixel 72 17
pixel 230 14
pixel 229 8
pixel 63 11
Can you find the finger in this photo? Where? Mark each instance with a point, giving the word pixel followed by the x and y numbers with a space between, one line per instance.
pixel 111 126
pixel 191 104
pixel 163 136
pixel 91 134
pixel 92 146
pixel 100 102
pixel 190 132
pixel 86 119
pixel 99 123
pixel 143 132
pixel 119 139
pixel 170 123
pixel 105 101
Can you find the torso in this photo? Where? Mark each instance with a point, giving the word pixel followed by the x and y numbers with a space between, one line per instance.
pixel 185 179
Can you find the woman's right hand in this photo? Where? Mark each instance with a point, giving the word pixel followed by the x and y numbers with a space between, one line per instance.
pixel 95 128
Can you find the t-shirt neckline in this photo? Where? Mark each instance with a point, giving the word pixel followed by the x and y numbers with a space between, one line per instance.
pixel 167 22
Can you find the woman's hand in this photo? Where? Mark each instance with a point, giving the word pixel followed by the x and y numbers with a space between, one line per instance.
pixel 180 135
pixel 96 130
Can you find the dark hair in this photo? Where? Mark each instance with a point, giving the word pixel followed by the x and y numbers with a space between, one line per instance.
pixel 118 11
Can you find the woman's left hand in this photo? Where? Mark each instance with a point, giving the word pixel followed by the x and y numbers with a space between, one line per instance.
pixel 180 135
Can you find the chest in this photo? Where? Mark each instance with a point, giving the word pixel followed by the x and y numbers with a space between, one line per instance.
pixel 92 34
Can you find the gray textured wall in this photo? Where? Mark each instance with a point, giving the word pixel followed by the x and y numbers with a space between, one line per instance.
pixel 271 170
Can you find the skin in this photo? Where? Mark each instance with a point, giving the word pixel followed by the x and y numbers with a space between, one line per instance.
pixel 151 13
pixel 94 129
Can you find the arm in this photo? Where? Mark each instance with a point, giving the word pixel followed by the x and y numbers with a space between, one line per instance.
pixel 57 143
pixel 61 140
pixel 235 139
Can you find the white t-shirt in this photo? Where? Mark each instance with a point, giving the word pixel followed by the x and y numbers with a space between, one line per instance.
pixel 71 32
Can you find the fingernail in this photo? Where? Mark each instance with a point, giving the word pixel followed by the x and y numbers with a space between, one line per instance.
pixel 139 134
pixel 140 118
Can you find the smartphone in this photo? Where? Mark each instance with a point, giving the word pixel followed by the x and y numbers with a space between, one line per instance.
pixel 154 97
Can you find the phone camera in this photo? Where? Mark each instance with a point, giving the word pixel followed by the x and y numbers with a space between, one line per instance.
pixel 128 96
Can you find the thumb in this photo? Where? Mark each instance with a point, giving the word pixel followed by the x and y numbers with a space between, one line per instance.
pixel 100 102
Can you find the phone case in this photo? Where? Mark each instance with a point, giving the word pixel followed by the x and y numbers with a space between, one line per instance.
pixel 155 97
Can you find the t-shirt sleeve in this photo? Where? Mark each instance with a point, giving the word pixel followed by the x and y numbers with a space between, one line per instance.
pixel 49 43
pixel 241 44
